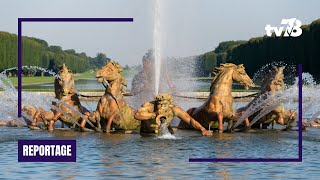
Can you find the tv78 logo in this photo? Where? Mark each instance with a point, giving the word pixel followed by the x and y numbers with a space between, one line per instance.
pixel 293 28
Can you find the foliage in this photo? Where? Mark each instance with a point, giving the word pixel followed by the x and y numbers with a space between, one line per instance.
pixel 304 50
pixel 36 52
pixel 259 51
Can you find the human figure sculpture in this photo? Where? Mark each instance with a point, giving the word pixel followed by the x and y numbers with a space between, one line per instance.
pixel 143 84
pixel 112 111
pixel 162 111
pixel 219 105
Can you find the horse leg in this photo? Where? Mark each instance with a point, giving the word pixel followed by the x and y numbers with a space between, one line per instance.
pixel 247 123
pixel 114 109
pixel 53 120
pixel 230 125
pixel 110 119
pixel 83 121
pixel 36 118
pixel 97 120
pixel 51 124
pixel 220 120
pixel 280 118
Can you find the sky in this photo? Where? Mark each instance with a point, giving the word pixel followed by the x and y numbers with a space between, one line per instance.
pixel 187 27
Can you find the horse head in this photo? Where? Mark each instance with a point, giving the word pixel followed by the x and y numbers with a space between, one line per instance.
pixel 110 72
pixel 236 72
pixel 240 75
pixel 275 82
pixel 64 83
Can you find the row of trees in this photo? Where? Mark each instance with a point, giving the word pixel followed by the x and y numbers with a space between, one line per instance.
pixel 202 65
pixel 260 51
pixel 254 53
pixel 37 52
pixel 304 50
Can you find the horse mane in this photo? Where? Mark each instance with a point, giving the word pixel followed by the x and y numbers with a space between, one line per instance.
pixel 62 69
pixel 217 70
pixel 116 65
pixel 119 69
pixel 276 78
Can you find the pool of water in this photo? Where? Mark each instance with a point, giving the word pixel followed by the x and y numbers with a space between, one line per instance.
pixel 102 156
pixel 114 156
pixel 92 84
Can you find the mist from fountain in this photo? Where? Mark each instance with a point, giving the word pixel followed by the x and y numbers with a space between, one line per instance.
pixel 9 98
pixel 165 134
pixel 289 97
pixel 311 98
pixel 267 102
pixel 65 114
pixel 73 110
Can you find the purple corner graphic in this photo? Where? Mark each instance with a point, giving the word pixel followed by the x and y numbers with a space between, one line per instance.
pixel 21 20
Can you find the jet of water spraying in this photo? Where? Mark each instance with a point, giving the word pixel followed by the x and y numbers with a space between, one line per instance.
pixel 157 45
pixel 164 133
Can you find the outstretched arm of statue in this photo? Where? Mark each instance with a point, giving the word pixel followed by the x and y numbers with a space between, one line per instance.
pixel 145 112
pixel 188 119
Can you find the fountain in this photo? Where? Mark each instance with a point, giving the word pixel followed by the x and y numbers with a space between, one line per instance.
pixel 217 108
pixel 112 110
pixel 219 105
pixel 10 96
pixel 165 133
pixel 35 105
pixel 261 108
pixel 159 113
pixel 157 45
pixel 310 100
pixel 267 106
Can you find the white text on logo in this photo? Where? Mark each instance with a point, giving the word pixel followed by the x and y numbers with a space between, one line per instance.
pixel 293 28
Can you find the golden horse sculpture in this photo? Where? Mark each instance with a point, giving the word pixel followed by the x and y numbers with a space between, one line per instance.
pixel 219 105
pixel 64 91
pixel 270 85
pixel 112 110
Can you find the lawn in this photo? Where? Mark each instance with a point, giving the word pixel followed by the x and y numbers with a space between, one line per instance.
pixel 48 79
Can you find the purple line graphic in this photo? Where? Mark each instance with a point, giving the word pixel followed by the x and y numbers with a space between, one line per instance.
pixel 21 20
pixel 299 159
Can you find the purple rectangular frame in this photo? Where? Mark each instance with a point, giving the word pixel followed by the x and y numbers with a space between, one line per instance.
pixel 20 20
pixel 299 159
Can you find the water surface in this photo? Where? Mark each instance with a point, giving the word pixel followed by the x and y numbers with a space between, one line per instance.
pixel 108 156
